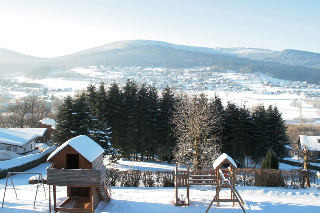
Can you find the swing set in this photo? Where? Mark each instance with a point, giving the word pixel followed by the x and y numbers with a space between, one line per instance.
pixel 208 179
pixel 11 183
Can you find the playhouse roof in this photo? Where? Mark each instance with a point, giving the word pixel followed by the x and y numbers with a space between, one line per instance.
pixel 87 147
pixel 14 137
pixel 312 142
pixel 222 159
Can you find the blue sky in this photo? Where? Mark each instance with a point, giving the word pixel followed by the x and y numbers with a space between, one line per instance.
pixel 49 28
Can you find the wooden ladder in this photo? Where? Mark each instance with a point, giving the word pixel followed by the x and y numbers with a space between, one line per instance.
pixel 105 191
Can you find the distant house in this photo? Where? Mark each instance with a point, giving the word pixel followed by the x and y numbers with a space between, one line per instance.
pixel 312 143
pixel 17 141
pixel 21 140
pixel 50 124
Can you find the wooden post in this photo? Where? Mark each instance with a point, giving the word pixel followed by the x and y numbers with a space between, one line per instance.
pixel 232 184
pixel 218 185
pixel 54 198
pixel 176 184
pixel 49 200
pixel 91 200
pixel 188 185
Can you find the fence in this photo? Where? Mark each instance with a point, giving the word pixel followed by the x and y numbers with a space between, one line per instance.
pixel 244 177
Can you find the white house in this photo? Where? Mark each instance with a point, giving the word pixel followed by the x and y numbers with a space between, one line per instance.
pixel 17 141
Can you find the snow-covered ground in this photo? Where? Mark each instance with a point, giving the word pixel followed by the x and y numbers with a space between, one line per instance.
pixel 159 200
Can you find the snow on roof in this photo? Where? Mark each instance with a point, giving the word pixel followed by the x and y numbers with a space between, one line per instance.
pixel 41 145
pixel 35 131
pixel 221 158
pixel 16 138
pixel 288 147
pixel 49 121
pixel 87 147
pixel 312 142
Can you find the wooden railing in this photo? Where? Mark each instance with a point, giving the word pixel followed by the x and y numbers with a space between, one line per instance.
pixel 76 177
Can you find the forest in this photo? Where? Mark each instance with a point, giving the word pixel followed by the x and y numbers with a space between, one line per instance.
pixel 137 122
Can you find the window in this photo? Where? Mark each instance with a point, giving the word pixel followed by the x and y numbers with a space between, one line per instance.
pixel 14 149
pixel 9 148
pixel 31 147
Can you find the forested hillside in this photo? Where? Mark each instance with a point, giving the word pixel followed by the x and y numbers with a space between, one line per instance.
pixel 288 64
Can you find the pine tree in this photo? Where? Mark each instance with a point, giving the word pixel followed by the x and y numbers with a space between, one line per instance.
pixel 130 112
pixel 231 130
pixel 114 114
pixel 244 135
pixel 81 116
pixel 166 138
pixel 91 95
pixel 152 121
pixel 271 161
pixel 276 130
pixel 260 139
pixel 100 107
pixel 99 130
pixel 142 117
pixel 64 122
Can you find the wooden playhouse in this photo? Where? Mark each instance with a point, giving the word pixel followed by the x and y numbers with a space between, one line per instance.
pixel 78 164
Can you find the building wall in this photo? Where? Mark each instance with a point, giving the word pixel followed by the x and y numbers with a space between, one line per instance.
pixel 59 160
pixel 30 146
pixel 97 163
pixel 48 133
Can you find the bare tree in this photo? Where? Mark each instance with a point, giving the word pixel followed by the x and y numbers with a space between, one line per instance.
pixel 195 123
pixel 29 111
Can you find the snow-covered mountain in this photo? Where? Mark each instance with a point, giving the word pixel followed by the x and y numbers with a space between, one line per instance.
pixel 9 56
pixel 288 56
pixel 286 64
pixel 143 43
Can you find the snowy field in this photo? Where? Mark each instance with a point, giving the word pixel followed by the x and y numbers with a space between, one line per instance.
pixel 160 200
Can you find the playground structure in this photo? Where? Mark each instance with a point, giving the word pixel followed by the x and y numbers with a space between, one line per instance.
pixel 81 169
pixel 218 178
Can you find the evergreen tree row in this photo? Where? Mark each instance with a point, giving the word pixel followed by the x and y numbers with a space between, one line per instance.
pixel 136 120
pixel 248 135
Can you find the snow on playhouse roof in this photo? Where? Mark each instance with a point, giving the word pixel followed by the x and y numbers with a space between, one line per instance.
pixel 87 147
pixel 16 138
pixel 312 142
pixel 221 159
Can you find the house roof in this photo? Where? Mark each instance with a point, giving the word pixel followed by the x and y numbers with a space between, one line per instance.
pixel 14 137
pixel 35 131
pixel 49 121
pixel 224 158
pixel 312 142
pixel 84 145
